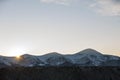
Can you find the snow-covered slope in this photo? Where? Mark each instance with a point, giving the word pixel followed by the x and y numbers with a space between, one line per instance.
pixel 55 59
pixel 5 60
pixel 87 57
pixel 29 60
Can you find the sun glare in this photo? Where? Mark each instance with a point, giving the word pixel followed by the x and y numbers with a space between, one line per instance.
pixel 17 52
pixel 18 56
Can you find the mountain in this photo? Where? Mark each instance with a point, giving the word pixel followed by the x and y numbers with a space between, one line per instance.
pixel 29 60
pixel 4 61
pixel 56 59
pixel 87 57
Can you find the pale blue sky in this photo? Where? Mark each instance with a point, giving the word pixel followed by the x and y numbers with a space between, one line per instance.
pixel 65 26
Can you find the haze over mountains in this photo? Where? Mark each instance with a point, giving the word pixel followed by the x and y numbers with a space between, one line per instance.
pixel 87 57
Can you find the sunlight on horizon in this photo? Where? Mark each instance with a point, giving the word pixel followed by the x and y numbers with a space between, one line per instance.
pixel 17 51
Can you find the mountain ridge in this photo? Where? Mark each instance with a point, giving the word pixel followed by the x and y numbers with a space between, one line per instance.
pixel 87 57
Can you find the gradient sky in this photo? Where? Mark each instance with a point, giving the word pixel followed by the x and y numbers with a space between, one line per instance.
pixel 64 26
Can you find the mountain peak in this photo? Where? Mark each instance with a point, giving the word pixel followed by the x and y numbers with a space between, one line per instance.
pixel 89 51
pixel 26 55
pixel 53 54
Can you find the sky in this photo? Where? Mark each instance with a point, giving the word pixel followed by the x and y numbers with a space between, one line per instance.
pixel 65 26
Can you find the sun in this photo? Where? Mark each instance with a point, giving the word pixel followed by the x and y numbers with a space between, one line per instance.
pixel 17 52
pixel 18 57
